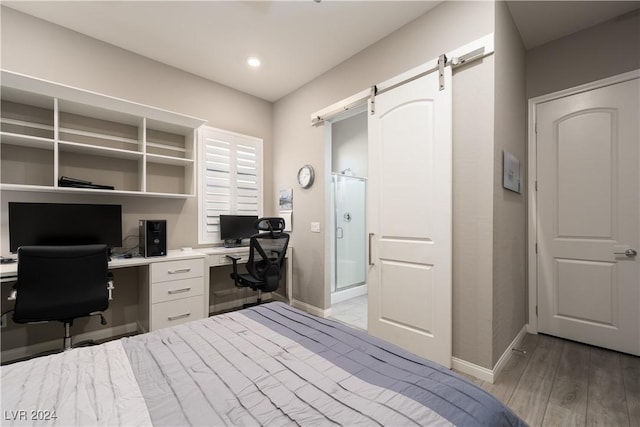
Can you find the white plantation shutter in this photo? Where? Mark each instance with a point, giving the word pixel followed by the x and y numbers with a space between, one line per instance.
pixel 230 171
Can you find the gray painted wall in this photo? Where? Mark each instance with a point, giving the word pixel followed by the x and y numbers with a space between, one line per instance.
pixel 601 51
pixel 509 208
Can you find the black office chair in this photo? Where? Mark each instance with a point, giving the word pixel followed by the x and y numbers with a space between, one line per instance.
pixel 62 283
pixel 267 250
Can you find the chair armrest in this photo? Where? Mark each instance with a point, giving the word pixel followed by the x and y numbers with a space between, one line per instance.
pixel 234 259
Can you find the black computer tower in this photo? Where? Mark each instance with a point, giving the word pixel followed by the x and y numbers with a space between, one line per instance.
pixel 153 237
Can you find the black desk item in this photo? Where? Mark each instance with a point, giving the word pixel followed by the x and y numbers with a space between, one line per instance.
pixel 59 224
pixel 66 181
pixel 267 251
pixel 62 283
pixel 152 237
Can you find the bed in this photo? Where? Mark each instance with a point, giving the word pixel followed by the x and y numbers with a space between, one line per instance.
pixel 266 365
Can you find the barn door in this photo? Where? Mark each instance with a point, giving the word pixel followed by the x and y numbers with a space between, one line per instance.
pixel 409 211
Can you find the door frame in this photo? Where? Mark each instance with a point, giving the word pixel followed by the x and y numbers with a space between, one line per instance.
pixel 358 106
pixel 532 215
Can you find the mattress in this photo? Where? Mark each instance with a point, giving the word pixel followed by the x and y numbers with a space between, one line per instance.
pixel 266 365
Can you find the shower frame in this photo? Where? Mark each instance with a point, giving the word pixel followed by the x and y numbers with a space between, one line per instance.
pixel 335 176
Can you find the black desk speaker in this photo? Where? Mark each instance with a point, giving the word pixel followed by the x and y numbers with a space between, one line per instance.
pixel 153 237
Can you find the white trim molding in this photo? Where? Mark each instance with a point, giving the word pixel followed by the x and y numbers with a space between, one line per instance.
pixel 485 374
pixel 311 309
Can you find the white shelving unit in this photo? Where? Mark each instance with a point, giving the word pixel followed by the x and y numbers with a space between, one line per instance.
pixel 49 130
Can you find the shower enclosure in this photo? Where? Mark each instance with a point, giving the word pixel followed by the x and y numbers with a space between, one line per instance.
pixel 349 197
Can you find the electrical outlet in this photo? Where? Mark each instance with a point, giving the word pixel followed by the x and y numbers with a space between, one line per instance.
pixel 3 321
pixel 315 227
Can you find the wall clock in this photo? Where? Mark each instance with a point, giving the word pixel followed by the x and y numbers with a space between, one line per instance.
pixel 306 175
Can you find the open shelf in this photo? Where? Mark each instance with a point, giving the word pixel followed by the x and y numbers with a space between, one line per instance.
pixel 99 151
pixel 26 140
pixel 48 129
pixel 70 190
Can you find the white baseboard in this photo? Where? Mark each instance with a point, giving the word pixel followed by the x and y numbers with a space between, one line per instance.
pixel 509 352
pixel 486 374
pixel 356 291
pixel 311 309
pixel 31 350
pixel 472 369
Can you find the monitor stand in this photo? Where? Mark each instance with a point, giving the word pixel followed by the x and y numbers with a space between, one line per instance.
pixel 233 243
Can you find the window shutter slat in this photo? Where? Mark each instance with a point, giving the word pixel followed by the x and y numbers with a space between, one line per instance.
pixel 230 173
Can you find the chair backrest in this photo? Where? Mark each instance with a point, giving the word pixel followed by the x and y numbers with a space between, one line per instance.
pixel 267 251
pixel 61 282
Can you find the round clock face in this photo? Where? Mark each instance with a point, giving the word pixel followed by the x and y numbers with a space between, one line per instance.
pixel 306 176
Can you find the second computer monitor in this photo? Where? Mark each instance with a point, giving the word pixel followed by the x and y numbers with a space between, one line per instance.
pixel 235 228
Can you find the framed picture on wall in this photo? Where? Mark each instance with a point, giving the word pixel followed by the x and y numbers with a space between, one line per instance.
pixel 511 167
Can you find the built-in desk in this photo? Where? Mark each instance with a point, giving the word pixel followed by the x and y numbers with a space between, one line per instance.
pixel 174 288
pixel 171 288
pixel 9 272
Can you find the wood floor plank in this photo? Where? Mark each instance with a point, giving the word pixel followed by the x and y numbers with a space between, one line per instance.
pixel 631 377
pixel 606 404
pixel 564 383
pixel 529 399
pixel 568 400
pixel 504 386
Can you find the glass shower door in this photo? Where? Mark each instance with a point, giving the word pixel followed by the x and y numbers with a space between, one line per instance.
pixel 350 231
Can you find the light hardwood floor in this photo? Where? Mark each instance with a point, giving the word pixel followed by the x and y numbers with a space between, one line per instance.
pixel 564 383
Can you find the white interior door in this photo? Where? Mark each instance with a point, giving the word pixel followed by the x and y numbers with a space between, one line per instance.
pixel 409 212
pixel 588 216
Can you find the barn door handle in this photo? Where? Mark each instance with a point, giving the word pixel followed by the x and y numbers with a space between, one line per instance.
pixel 370 236
pixel 628 252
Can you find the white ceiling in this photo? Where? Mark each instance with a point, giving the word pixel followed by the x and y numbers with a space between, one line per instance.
pixel 296 40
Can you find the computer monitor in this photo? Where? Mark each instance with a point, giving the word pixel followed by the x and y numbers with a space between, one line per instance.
pixel 234 228
pixel 64 224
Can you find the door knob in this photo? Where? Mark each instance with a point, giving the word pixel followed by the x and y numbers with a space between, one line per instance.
pixel 628 252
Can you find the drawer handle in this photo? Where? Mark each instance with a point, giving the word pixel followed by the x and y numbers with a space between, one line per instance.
pixel 177 291
pixel 179 316
pixel 182 270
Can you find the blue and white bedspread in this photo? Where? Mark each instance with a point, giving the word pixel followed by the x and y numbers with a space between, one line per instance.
pixel 267 365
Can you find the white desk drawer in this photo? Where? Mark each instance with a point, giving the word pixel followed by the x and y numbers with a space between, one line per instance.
pixel 176 270
pixel 176 312
pixel 176 289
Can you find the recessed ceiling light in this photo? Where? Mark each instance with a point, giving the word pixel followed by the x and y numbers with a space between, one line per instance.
pixel 253 62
